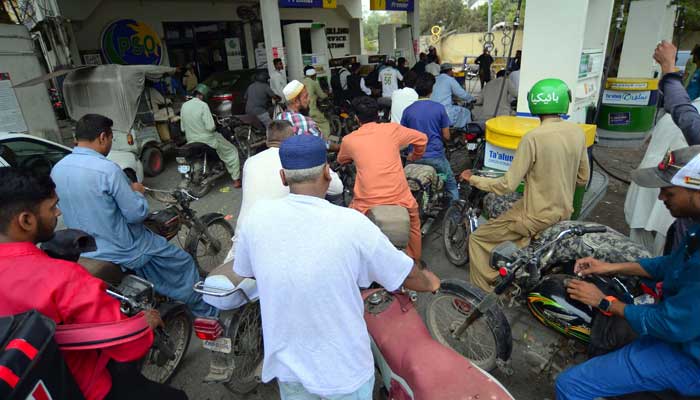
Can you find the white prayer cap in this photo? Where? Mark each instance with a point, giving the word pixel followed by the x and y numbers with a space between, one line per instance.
pixel 311 72
pixel 292 89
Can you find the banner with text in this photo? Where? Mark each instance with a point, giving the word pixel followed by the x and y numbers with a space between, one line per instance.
pixel 307 3
pixel 391 5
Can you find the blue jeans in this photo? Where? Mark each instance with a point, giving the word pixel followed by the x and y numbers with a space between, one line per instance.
pixel 296 391
pixel 645 365
pixel 442 166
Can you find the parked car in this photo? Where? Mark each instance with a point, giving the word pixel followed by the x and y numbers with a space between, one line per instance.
pixel 40 155
pixel 227 91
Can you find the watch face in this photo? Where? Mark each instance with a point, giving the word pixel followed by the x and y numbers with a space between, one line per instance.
pixel 604 305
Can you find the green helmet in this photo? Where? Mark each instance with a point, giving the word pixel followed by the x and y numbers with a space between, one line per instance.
pixel 549 96
pixel 203 89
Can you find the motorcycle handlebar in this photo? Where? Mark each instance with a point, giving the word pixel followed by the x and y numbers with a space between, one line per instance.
pixel 592 229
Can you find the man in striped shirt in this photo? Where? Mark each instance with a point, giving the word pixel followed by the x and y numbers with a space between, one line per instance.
pixel 297 113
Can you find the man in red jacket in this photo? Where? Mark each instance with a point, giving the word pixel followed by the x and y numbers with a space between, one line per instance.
pixel 64 291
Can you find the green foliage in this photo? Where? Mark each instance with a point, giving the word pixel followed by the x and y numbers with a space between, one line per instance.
pixel 453 15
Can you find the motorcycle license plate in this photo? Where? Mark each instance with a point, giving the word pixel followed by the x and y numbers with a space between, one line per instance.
pixel 471 146
pixel 221 345
pixel 183 169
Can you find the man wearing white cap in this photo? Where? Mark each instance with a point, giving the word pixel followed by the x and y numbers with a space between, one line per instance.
pixel 316 94
pixel 297 113
pixel 390 77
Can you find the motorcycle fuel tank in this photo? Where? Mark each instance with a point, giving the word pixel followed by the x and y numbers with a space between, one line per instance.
pixel 551 305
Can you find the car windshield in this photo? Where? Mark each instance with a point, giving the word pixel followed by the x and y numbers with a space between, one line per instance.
pixel 32 154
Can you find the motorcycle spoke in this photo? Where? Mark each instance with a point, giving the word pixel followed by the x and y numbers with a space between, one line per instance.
pixel 476 344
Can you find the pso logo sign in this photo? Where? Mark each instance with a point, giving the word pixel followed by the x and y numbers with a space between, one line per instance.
pixel 126 41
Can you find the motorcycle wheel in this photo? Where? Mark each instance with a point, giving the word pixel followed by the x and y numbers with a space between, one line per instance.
pixel 241 143
pixel 336 126
pixel 486 340
pixel 200 247
pixel 247 353
pixel 456 235
pixel 178 328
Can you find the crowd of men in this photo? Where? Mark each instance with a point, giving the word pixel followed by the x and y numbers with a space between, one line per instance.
pixel 308 254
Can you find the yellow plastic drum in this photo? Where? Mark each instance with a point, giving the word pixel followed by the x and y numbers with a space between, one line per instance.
pixel 503 135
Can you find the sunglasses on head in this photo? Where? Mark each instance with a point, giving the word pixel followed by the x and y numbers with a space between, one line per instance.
pixel 668 162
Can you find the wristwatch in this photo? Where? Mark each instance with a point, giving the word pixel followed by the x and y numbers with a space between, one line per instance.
pixel 605 305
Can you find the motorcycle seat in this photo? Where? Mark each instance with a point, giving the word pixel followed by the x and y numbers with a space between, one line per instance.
pixel 226 270
pixel 223 278
pixel 422 176
pixel 195 149
pixel 393 221
pixel 105 270
pixel 433 371
pixel 251 120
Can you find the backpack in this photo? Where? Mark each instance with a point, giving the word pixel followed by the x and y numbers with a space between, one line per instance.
pixel 335 81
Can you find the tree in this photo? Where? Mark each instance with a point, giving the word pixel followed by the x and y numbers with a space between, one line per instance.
pixel 371 22
pixel 452 15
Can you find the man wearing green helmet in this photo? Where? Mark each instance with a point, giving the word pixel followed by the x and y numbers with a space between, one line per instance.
pixel 198 124
pixel 552 159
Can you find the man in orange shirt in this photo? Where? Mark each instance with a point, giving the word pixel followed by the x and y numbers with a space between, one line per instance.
pixel 380 177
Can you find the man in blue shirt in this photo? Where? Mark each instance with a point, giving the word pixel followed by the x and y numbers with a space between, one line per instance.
pixel 446 86
pixel 430 117
pixel 97 197
pixel 666 356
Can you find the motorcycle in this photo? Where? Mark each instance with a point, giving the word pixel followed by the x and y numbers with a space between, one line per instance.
pixel 208 238
pixel 200 166
pixel 462 219
pixel 234 339
pixel 135 295
pixel 537 276
pixel 411 364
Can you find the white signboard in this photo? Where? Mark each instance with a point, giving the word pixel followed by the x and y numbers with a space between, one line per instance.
pixel 497 157
pixel 11 119
pixel 632 98
pixel 260 57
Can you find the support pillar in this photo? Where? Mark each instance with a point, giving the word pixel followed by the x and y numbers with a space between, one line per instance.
pixel 270 14
pixel 648 23
pixel 357 45
pixel 413 19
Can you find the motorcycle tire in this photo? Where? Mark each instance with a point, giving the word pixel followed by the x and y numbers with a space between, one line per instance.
pixel 179 327
pixel 153 161
pixel 247 353
pixel 336 126
pixel 458 298
pixel 241 142
pixel 197 244
pixel 455 235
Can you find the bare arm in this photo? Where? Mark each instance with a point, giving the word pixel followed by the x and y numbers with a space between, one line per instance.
pixel 589 266
pixel 446 133
pixel 421 280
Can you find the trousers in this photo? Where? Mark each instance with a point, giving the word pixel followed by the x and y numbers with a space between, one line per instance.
pixel 296 391
pixel 173 273
pixel 645 365
pixel 228 153
pixel 507 227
